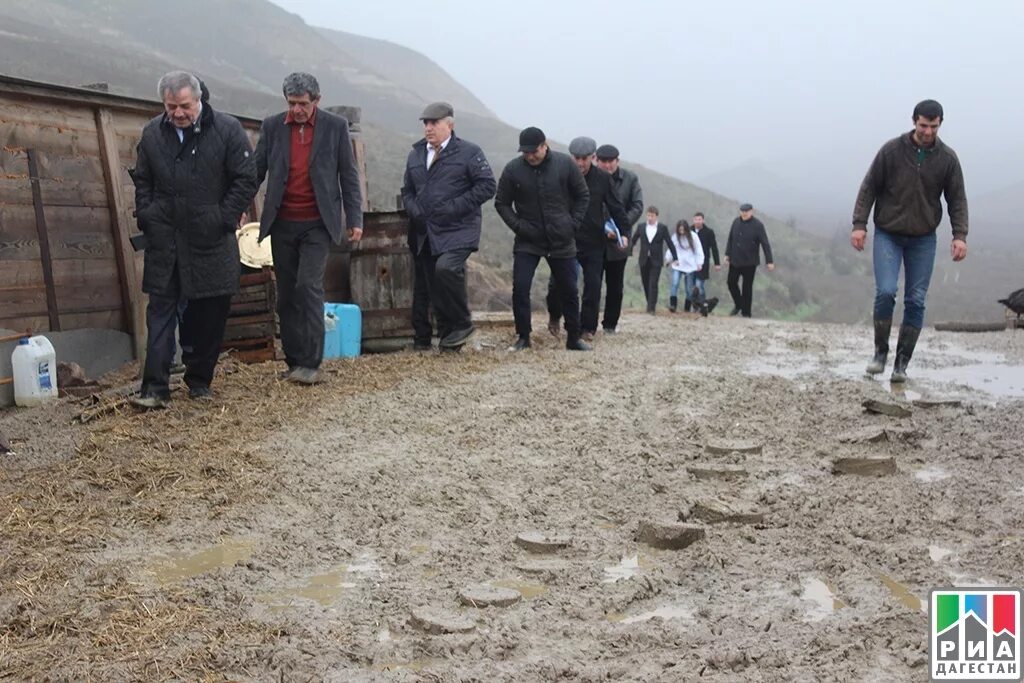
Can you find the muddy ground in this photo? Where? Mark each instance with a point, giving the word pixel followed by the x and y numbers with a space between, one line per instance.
pixel 289 533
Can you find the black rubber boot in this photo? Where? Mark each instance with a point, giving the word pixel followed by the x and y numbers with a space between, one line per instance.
pixel 904 351
pixel 673 302
pixel 877 364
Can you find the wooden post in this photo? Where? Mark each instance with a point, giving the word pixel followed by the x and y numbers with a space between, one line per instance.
pixel 44 242
pixel 120 221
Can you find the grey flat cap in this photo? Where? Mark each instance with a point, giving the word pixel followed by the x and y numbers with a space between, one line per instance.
pixel 582 146
pixel 437 110
pixel 746 207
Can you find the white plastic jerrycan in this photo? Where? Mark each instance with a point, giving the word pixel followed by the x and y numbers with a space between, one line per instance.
pixel 35 371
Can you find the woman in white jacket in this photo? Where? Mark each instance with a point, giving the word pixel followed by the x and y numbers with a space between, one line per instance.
pixel 686 267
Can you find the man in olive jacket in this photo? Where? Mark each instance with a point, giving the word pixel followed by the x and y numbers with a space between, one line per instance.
pixel 543 197
pixel 447 179
pixel 194 177
pixel 908 176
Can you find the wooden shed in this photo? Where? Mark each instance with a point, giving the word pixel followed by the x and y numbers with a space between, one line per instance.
pixel 66 212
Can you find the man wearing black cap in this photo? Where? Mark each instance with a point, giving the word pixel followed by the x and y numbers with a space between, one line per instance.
pixel 627 188
pixel 543 198
pixel 447 179
pixel 904 184
pixel 590 239
pixel 747 237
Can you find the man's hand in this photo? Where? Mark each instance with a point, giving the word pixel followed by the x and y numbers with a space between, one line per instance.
pixel 717 267
pixel 771 266
pixel 959 250
pixel 355 234
pixel 857 238
pixel 726 260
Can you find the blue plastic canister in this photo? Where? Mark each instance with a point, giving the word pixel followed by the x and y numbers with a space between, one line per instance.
pixel 343 330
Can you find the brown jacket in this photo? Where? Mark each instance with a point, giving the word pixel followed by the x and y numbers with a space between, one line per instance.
pixel 904 185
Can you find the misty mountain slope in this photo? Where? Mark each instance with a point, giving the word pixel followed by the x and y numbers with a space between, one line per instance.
pixel 243 48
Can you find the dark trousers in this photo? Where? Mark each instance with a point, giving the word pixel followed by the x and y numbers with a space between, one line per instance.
pixel 563 272
pixel 202 333
pixel 440 281
pixel 742 298
pixel 650 274
pixel 614 282
pixel 300 259
pixel 591 260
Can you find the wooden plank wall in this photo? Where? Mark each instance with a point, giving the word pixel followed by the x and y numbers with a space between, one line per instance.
pixel 83 146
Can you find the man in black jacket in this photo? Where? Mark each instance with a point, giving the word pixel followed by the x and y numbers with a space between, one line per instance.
pixel 709 243
pixel 447 179
pixel 543 197
pixel 306 155
pixel 590 239
pixel 627 189
pixel 908 176
pixel 194 177
pixel 747 237
pixel 652 238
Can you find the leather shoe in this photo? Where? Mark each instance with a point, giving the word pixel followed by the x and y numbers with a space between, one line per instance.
pixel 553 328
pixel 422 346
pixel 457 338
pixel 151 401
pixel 578 345
pixel 521 344
pixel 587 337
pixel 200 394
pixel 306 376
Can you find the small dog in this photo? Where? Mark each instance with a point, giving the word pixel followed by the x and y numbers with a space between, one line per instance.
pixel 702 305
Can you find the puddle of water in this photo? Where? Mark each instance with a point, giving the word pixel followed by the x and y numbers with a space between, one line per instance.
pixel 324 589
pixel 996 379
pixel 938 553
pixel 529 591
pixel 666 612
pixel 902 593
pixel 429 572
pixel 415 666
pixel 824 598
pixel 419 549
pixel 627 568
pixel 930 475
pixel 180 566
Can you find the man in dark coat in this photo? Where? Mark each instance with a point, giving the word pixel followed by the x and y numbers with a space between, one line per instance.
pixel 591 240
pixel 543 197
pixel 904 184
pixel 627 189
pixel 709 243
pixel 447 179
pixel 652 239
pixel 306 155
pixel 194 177
pixel 747 237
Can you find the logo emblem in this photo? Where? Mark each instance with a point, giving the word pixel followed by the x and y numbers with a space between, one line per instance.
pixel 975 634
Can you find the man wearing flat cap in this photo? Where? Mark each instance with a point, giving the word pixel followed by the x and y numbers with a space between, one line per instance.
pixel 747 237
pixel 627 189
pixel 313 194
pixel 447 180
pixel 543 198
pixel 590 239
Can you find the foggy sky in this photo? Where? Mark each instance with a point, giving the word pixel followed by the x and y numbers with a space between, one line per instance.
pixel 809 89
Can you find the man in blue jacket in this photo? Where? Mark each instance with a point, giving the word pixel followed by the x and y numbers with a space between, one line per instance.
pixel 447 179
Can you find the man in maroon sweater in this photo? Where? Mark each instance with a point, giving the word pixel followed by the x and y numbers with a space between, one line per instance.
pixel 308 155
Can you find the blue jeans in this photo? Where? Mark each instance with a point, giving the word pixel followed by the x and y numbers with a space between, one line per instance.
pixel 917 256
pixel 689 282
pixel 702 286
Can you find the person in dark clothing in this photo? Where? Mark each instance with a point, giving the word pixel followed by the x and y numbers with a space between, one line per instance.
pixel 747 237
pixel 313 187
pixel 709 243
pixel 591 239
pixel 627 188
pixel 652 239
pixel 543 198
pixel 904 184
pixel 194 177
pixel 447 179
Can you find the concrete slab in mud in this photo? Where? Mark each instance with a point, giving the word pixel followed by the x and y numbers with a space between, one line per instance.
pixel 710 471
pixel 485 595
pixel 866 466
pixel 438 621
pixel 890 408
pixel 726 446
pixel 718 511
pixel 669 535
pixel 543 542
